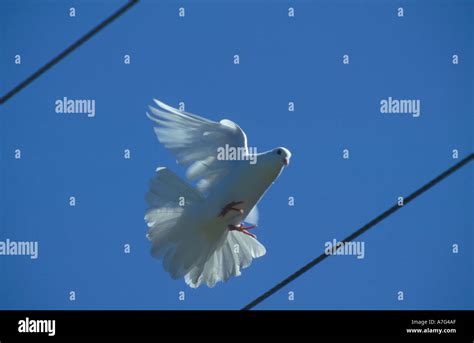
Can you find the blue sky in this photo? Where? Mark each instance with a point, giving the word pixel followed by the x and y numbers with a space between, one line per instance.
pixel 282 59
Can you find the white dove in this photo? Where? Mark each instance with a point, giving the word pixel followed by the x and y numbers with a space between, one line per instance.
pixel 199 231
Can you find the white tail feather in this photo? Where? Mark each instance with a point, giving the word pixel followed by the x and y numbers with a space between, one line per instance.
pixel 186 251
pixel 228 260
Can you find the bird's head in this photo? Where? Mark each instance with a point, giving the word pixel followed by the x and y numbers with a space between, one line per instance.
pixel 281 155
pixel 271 163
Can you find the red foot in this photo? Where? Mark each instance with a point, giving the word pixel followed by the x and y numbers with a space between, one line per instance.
pixel 230 207
pixel 242 228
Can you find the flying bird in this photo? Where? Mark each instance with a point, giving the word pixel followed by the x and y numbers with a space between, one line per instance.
pixel 201 229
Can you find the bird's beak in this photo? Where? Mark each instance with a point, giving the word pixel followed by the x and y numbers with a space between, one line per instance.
pixel 286 161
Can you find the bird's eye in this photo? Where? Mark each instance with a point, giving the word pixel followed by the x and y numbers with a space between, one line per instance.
pixel 279 152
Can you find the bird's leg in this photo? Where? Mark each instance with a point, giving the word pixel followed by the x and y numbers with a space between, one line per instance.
pixel 242 228
pixel 231 207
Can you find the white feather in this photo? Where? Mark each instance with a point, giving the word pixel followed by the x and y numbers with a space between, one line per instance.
pixel 195 141
pixel 253 216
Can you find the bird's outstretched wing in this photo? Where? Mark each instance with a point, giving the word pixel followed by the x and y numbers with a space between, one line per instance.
pixel 195 142
pixel 253 216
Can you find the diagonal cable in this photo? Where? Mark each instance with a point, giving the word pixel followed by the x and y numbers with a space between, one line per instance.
pixel 68 50
pixel 360 231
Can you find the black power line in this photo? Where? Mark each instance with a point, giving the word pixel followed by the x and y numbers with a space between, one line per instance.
pixel 67 51
pixel 360 231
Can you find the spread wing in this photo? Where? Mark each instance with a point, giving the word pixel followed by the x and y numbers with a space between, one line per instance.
pixel 195 142
pixel 253 216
